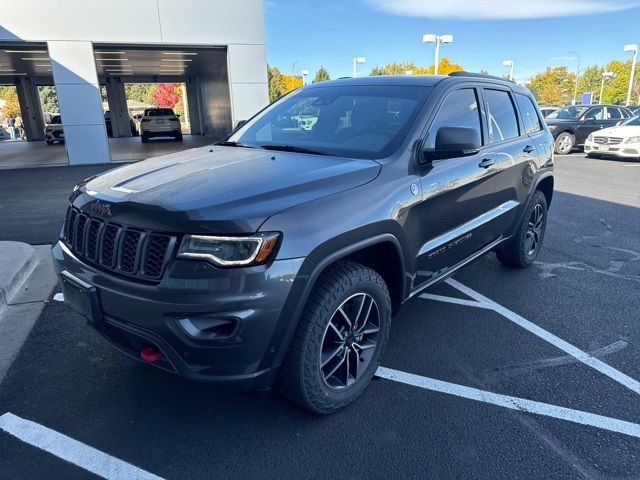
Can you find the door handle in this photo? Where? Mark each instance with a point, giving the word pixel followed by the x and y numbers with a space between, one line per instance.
pixel 487 162
pixel 528 149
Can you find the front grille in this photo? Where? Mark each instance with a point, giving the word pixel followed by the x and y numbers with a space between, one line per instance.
pixel 126 250
pixel 608 140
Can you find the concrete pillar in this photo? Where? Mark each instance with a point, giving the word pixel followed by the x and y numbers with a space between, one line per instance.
pixel 248 80
pixel 76 81
pixel 118 110
pixel 193 102
pixel 31 111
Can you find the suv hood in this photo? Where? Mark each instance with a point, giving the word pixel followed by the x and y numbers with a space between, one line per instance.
pixel 218 189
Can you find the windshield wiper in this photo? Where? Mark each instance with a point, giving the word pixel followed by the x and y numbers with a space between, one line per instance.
pixel 235 144
pixel 294 148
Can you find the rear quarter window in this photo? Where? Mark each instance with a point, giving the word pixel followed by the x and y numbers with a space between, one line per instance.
pixel 529 114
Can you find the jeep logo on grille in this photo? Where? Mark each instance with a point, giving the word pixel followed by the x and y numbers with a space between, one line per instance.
pixel 101 208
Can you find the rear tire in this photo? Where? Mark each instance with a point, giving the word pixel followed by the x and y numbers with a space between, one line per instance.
pixel 50 142
pixel 564 143
pixel 523 249
pixel 327 367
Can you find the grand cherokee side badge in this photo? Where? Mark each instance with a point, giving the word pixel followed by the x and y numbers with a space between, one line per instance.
pixel 101 208
pixel 414 189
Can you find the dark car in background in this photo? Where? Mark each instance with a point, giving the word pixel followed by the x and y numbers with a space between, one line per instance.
pixel 53 131
pixel 279 255
pixel 107 123
pixel 572 125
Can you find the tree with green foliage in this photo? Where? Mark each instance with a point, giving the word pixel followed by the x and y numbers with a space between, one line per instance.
pixel 48 99
pixel 322 75
pixel 554 86
pixel 140 92
pixel 276 81
pixel 589 80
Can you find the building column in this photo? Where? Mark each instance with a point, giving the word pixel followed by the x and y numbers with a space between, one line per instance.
pixel 78 90
pixel 247 79
pixel 118 110
pixel 30 109
pixel 193 104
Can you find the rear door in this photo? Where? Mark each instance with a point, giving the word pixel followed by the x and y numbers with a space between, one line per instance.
pixel 515 153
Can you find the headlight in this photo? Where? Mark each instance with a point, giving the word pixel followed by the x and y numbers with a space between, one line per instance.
pixel 229 251
pixel 590 137
pixel 633 140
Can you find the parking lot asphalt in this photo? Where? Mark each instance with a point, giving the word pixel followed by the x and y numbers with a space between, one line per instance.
pixel 476 368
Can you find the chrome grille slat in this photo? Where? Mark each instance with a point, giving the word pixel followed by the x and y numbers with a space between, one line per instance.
pixel 129 251
pixel 608 140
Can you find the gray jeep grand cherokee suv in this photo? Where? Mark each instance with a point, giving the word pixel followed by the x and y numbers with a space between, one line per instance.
pixel 279 255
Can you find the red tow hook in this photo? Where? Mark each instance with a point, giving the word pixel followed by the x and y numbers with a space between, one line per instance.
pixel 151 354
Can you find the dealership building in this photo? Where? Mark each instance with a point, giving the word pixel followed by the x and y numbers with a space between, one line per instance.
pixel 90 49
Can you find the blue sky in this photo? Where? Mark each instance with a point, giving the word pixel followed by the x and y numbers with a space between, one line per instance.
pixel 332 32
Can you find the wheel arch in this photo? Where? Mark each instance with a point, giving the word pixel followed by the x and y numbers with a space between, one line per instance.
pixel 383 253
pixel 545 185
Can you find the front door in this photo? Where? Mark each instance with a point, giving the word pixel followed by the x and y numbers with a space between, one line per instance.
pixel 458 195
pixel 592 121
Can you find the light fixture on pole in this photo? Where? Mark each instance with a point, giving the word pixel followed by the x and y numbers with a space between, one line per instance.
pixel 509 63
pixel 631 48
pixel 356 61
pixel 304 76
pixel 605 75
pixel 575 88
pixel 437 39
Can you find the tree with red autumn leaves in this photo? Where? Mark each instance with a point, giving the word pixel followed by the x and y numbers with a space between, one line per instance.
pixel 166 95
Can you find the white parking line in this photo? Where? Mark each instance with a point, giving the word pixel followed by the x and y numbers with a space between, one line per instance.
pixel 549 337
pixel 72 450
pixel 514 403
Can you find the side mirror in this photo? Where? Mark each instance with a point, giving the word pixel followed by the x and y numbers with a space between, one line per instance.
pixel 452 142
pixel 239 124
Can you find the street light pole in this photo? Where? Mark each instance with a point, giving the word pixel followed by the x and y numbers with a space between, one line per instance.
pixel 605 75
pixel 356 61
pixel 631 48
pixel 509 63
pixel 437 39
pixel 575 89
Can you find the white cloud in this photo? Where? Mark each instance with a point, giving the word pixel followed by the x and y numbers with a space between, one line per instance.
pixel 500 9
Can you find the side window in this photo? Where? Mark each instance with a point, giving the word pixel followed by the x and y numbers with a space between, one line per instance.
pixel 501 116
pixel 613 113
pixel 624 113
pixel 529 114
pixel 595 114
pixel 459 109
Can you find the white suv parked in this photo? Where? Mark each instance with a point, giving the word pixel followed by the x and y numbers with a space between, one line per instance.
pixel 160 122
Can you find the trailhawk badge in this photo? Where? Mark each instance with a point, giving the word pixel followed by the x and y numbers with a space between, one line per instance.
pixel 101 208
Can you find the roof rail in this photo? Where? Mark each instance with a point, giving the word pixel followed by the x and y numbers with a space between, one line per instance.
pixel 478 75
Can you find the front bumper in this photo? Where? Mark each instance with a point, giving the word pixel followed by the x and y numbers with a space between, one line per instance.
pixel 621 150
pixel 134 314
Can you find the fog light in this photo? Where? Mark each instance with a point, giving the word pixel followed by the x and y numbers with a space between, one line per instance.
pixel 209 328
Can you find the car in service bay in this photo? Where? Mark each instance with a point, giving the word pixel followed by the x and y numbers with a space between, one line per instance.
pixel 279 256
pixel 160 122
pixel 622 141
pixel 572 125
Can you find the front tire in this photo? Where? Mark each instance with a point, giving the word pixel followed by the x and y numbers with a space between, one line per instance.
pixel 522 250
pixel 564 143
pixel 339 340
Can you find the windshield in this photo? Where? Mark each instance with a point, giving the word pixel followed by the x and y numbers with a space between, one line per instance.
pixel 632 122
pixel 346 121
pixel 568 112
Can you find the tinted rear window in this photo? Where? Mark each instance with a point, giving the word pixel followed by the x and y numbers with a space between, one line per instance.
pixel 158 112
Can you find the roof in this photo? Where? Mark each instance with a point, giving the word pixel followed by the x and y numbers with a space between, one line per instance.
pixel 417 80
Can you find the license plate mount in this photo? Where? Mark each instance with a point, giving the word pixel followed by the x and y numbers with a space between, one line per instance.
pixel 80 296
